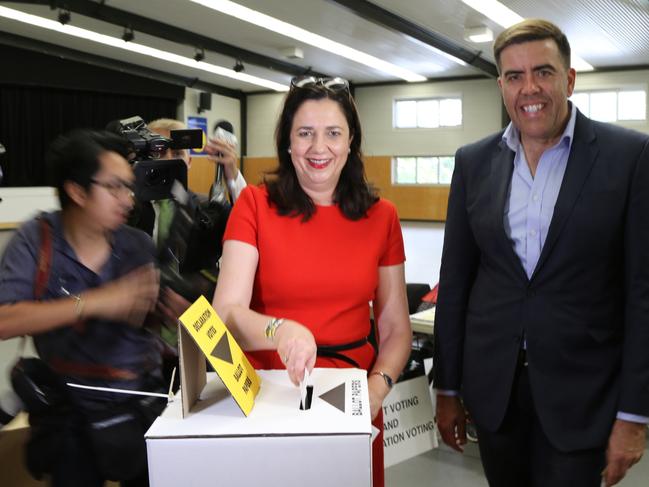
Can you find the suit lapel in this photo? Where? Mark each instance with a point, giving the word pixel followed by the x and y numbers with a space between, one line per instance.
pixel 580 162
pixel 502 166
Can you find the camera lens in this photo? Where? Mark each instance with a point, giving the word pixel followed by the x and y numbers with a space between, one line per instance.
pixel 154 177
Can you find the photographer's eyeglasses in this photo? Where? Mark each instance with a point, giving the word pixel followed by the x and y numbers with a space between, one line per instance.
pixel 116 188
pixel 334 84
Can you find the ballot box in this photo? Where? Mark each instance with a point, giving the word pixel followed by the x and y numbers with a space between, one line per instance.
pixel 276 444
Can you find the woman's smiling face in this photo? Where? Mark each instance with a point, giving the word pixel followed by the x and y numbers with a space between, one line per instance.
pixel 320 142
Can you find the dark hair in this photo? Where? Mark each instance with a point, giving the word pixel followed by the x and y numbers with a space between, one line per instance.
pixel 532 30
pixel 75 157
pixel 353 194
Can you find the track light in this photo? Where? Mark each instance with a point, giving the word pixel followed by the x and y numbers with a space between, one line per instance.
pixel 478 34
pixel 53 25
pixel 128 34
pixel 64 16
pixel 238 66
pixel 200 54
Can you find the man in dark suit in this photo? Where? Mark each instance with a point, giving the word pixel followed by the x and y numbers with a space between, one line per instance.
pixel 542 320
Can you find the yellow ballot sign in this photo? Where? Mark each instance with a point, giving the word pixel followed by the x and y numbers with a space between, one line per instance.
pixel 202 323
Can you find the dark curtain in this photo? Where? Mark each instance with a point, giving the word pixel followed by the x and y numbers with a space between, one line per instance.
pixel 31 117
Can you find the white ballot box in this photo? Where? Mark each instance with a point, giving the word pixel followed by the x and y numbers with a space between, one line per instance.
pixel 276 445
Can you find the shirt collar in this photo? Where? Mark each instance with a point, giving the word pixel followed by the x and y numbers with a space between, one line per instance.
pixel 56 220
pixel 512 136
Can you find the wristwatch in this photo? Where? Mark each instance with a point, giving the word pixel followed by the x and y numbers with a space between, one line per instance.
pixel 388 380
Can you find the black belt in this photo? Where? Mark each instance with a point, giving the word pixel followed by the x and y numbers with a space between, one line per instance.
pixel 333 351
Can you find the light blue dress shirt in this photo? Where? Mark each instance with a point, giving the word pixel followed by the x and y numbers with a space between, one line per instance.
pixel 530 203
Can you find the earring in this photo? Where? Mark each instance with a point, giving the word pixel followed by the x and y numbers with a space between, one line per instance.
pixel 288 150
pixel 349 150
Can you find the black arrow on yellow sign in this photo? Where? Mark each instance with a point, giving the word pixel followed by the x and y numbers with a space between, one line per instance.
pixel 222 349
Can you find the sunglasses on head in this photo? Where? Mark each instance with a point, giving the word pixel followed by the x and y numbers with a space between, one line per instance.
pixel 333 84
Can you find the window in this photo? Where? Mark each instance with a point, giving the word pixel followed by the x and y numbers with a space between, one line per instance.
pixel 422 170
pixel 613 105
pixel 428 113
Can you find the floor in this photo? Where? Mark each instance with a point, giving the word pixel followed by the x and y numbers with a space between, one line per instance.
pixel 445 468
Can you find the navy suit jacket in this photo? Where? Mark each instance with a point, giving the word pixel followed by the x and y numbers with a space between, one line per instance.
pixel 585 310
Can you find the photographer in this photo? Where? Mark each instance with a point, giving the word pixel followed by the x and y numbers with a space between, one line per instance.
pixel 221 151
pixel 197 263
pixel 81 283
pixel 155 217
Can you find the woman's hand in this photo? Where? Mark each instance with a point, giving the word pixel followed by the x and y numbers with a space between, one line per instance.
pixel 297 349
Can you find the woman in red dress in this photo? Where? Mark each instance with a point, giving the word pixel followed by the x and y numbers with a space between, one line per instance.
pixel 305 253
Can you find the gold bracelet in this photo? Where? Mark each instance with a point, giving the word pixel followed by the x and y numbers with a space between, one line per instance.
pixel 78 305
pixel 271 328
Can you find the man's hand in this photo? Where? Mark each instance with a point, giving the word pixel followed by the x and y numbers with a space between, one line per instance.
pixel 451 421
pixel 171 305
pixel 129 298
pixel 625 447
pixel 223 153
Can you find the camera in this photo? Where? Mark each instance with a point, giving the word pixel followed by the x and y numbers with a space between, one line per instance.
pixel 148 145
pixel 154 177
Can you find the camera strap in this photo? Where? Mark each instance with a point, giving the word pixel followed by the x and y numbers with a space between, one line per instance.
pixel 42 268
pixel 44 258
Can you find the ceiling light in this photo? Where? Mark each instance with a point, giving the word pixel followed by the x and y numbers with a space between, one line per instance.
pixel 580 64
pixel 293 52
pixel 137 48
pixel 128 34
pixel 238 66
pixel 495 11
pixel 200 55
pixel 478 34
pixel 284 28
pixel 506 17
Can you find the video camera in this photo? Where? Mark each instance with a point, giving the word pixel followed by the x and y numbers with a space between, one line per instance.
pixel 154 177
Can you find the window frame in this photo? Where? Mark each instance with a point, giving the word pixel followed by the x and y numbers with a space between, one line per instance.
pixel 419 99
pixel 394 170
pixel 617 91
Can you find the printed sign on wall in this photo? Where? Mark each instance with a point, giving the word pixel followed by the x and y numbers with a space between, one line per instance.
pixel 408 421
pixel 198 123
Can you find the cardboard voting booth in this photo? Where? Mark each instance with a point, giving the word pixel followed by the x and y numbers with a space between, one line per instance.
pixel 226 433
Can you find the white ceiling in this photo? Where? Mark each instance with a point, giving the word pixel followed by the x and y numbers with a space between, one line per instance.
pixel 606 33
